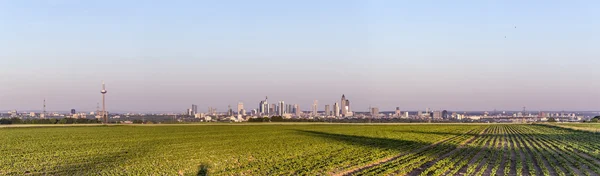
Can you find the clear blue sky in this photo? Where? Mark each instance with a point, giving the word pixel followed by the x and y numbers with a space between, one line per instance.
pixel 166 55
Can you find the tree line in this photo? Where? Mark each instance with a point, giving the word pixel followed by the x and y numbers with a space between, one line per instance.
pixel 48 121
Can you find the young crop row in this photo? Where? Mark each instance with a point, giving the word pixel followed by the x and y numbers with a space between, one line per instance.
pixel 503 150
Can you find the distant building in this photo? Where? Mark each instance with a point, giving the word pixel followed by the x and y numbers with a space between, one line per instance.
pixel 445 114
pixel 240 109
pixel 194 109
pixel 345 106
pixel 437 114
pixel 297 110
pixel 315 108
pixel 327 110
pixel 263 107
pixel 281 108
pixel 374 112
pixel 73 111
pixel 398 113
pixel 272 109
pixel 336 110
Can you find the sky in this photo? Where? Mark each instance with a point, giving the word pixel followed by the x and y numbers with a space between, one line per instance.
pixel 166 55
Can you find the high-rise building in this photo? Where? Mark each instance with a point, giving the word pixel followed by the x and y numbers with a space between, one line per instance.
pixel 327 110
pixel 272 109
pixel 445 114
pixel 398 113
pixel 345 106
pixel 240 108
pixel 190 112
pixel 336 109
pixel 263 107
pixel 374 112
pixel 297 110
pixel 73 111
pixel 437 114
pixel 194 110
pixel 315 108
pixel 343 103
pixel 281 107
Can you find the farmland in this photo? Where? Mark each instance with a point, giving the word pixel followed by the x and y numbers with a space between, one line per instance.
pixel 594 127
pixel 302 149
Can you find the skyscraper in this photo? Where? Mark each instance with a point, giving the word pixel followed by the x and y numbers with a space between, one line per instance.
pixel 281 108
pixel 345 106
pixel 273 108
pixel 297 109
pixel 240 108
pixel 194 110
pixel 104 114
pixel 72 111
pixel 263 107
pixel 315 108
pixel 398 113
pixel 374 112
pixel 445 114
pixel 343 103
pixel 327 110
pixel 336 109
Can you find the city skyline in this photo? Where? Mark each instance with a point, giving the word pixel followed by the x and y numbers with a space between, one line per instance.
pixel 479 55
pixel 278 105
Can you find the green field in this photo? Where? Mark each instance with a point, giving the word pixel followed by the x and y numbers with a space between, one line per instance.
pixel 594 127
pixel 300 149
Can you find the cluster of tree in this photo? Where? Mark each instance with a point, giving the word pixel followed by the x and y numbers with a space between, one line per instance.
pixel 595 119
pixel 48 121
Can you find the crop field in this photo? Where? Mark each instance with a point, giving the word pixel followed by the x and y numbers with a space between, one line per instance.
pixel 304 149
pixel 594 127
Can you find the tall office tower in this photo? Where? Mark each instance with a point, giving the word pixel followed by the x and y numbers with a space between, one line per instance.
pixel 240 107
pixel 336 109
pixel 374 112
pixel 104 114
pixel 327 110
pixel 315 108
pixel 194 109
pixel 437 115
pixel 445 114
pixel 190 112
pixel 398 113
pixel 427 110
pixel 297 110
pixel 272 109
pixel 343 104
pixel 229 110
pixel 72 111
pixel 263 107
pixel 281 108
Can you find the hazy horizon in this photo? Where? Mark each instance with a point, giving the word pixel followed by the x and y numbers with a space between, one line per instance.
pixel 165 56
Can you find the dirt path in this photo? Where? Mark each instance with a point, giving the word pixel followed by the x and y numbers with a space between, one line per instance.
pixel 386 160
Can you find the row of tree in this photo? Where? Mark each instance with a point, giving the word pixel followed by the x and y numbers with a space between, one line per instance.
pixel 595 119
pixel 49 121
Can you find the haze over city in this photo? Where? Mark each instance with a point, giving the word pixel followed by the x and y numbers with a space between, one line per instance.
pixel 164 56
